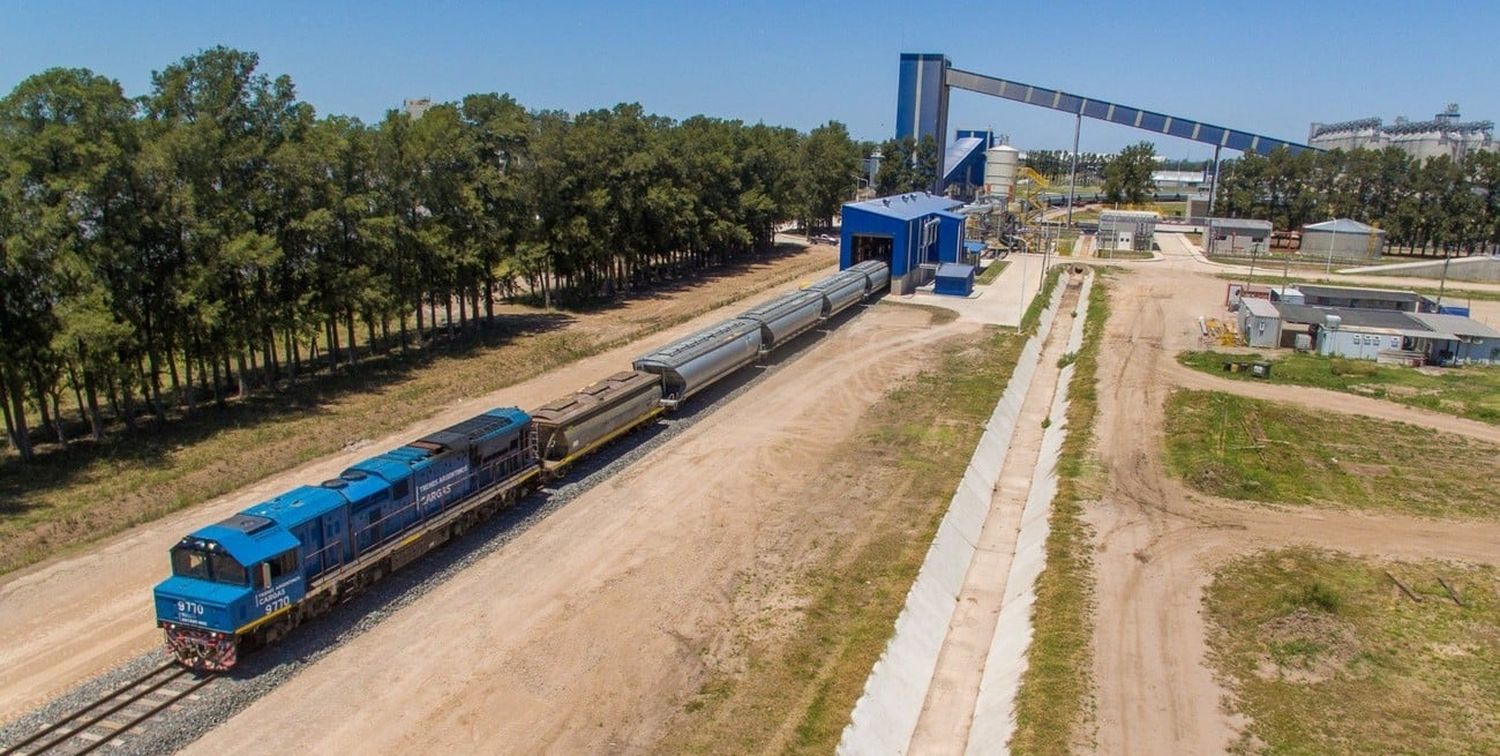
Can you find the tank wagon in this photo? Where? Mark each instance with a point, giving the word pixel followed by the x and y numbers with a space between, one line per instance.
pixel 250 579
pixel 569 428
pixel 786 316
pixel 877 274
pixel 840 291
pixel 692 363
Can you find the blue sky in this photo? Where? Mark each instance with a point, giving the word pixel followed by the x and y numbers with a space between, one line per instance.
pixel 1268 67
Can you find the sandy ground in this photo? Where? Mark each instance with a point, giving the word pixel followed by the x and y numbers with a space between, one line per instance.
pixel 948 713
pixel 1158 543
pixel 587 632
pixel 69 619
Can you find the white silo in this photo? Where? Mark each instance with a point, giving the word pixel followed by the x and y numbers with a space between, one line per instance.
pixel 1000 165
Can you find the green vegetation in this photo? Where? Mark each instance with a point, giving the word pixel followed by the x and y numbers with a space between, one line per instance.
pixel 1127 176
pixel 216 236
pixel 1437 204
pixel 1325 654
pixel 795 691
pixel 1466 392
pixel 1033 314
pixel 908 165
pixel 1052 705
pixel 991 272
pixel 75 497
pixel 1254 450
pixel 1452 294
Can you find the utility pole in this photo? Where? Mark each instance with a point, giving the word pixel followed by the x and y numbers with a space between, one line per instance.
pixel 1213 183
pixel 1073 167
pixel 1443 283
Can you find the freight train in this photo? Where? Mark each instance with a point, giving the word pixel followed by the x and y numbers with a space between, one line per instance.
pixel 248 580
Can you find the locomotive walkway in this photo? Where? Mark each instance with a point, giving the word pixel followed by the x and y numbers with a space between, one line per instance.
pixel 950 708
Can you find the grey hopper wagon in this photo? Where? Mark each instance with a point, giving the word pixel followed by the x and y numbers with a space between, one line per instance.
pixel 692 363
pixel 578 423
pixel 785 316
pixel 840 291
pixel 877 273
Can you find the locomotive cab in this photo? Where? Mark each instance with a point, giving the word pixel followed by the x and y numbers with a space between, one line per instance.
pixel 228 579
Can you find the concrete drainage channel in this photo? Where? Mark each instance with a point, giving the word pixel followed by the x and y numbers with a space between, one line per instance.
pixel 905 680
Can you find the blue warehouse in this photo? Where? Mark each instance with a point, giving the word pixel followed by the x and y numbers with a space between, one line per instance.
pixel 913 233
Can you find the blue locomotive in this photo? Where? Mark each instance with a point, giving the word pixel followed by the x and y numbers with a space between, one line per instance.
pixel 250 579
pixel 259 573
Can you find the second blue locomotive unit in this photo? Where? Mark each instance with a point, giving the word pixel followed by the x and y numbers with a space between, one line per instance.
pixel 250 579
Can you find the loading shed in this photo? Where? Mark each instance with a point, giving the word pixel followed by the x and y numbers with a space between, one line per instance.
pixel 1237 236
pixel 913 233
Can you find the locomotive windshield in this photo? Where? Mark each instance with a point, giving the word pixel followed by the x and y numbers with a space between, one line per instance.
pixel 195 560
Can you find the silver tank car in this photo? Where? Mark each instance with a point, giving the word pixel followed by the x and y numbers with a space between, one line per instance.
pixel 840 290
pixel 785 316
pixel 692 363
pixel 878 273
pixel 574 425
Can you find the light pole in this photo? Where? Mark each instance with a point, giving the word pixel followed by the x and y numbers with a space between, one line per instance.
pixel 1332 236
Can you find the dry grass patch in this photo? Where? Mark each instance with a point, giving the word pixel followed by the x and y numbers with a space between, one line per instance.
pixel 1325 654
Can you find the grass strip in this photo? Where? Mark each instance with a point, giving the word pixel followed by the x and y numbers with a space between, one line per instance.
pixel 69 499
pixel 1052 705
pixel 1471 392
pixel 793 694
pixel 1325 654
pixel 1254 450
pixel 991 272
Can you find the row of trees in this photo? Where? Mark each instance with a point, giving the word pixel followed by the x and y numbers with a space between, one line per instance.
pixel 1437 205
pixel 216 235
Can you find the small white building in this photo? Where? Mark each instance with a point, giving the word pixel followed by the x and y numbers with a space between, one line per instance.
pixel 1260 323
pixel 1126 230
pixel 1237 236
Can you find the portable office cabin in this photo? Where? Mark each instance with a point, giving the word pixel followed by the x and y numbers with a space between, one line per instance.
pixel 1473 343
pixel 954 280
pixel 1260 323
pixel 912 233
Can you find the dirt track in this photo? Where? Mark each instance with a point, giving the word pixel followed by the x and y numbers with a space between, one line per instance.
pixel 72 618
pixel 1158 542
pixel 587 632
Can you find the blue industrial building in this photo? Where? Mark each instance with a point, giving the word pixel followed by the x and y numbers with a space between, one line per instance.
pixel 914 233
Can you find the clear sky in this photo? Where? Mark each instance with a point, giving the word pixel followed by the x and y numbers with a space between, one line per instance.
pixel 1269 67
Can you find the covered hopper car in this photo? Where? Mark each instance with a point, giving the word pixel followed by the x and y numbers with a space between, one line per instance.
pixel 250 579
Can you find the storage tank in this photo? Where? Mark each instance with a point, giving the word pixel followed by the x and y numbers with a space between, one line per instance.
pixel 840 291
pixel 1000 166
pixel 690 364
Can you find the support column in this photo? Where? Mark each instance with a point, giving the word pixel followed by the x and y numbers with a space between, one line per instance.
pixel 1073 167
pixel 1213 184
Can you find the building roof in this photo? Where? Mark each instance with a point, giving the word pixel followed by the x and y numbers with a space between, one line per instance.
pixel 1247 224
pixel 955 270
pixel 961 149
pixel 1180 176
pixel 1355 292
pixel 1342 226
pixel 1260 308
pixel 1457 325
pixel 905 206
pixel 1130 214
pixel 1350 317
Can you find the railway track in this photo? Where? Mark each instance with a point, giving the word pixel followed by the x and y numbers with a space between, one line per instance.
pixel 114 714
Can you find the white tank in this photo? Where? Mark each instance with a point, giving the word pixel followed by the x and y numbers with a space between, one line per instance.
pixel 1000 165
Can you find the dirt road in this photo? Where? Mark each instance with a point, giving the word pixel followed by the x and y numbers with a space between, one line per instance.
pixel 1158 543
pixel 72 618
pixel 587 632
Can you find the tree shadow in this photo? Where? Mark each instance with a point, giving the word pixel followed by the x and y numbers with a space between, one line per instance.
pixel 57 467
